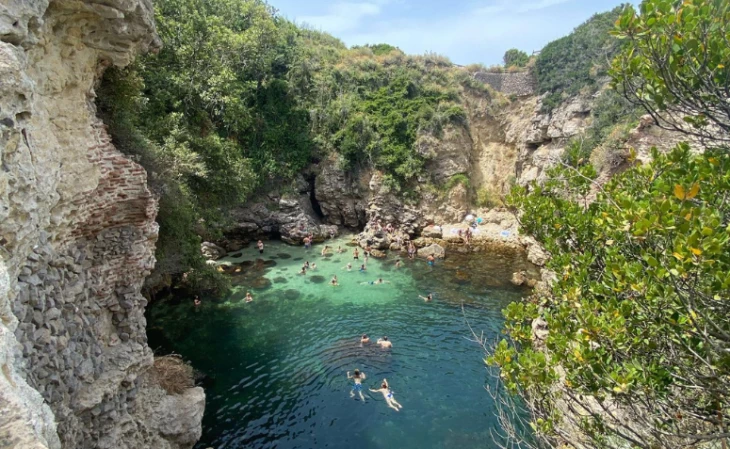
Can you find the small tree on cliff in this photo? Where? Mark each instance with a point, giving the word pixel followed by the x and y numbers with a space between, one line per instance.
pixel 678 64
pixel 638 348
pixel 515 58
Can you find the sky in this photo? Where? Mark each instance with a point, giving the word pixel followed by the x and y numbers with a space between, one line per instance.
pixel 466 31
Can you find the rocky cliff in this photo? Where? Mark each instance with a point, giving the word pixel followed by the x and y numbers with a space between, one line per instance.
pixel 77 235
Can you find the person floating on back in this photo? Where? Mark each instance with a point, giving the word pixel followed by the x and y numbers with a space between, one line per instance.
pixel 384 343
pixel 388 395
pixel 427 298
pixel 357 377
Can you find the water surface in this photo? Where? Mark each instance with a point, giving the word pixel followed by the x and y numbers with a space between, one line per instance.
pixel 277 367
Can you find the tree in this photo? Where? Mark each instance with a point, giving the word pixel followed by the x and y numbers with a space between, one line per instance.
pixel 637 352
pixel 516 58
pixel 677 65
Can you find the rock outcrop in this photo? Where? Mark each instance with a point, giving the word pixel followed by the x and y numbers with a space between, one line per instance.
pixel 77 235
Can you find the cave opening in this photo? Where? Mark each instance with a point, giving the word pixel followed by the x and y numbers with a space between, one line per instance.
pixel 313 198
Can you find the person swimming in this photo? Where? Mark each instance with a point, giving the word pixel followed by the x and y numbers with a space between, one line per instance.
pixel 249 298
pixel 431 260
pixel 314 266
pixel 348 267
pixel 364 339
pixel 324 250
pixel 384 343
pixel 306 264
pixel 304 270
pixel 357 377
pixel 196 301
pixel 398 263
pixel 388 395
pixel 340 250
pixel 334 281
pixel 427 298
pixel 363 268
pixel 356 254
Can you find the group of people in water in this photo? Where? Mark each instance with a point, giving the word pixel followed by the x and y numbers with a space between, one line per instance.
pixel 358 377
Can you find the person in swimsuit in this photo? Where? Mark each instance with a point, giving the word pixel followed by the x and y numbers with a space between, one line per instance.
pixel 364 339
pixel 427 298
pixel 362 268
pixel 340 250
pixel 431 260
pixel 334 281
pixel 398 263
pixel 388 395
pixel 306 265
pixel 348 267
pixel 356 254
pixel 249 298
pixel 324 250
pixel 314 266
pixel 307 243
pixel 196 301
pixel 384 343
pixel 260 244
pixel 357 377
pixel 304 270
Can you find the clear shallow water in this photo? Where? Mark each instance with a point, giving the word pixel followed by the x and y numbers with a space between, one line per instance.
pixel 277 367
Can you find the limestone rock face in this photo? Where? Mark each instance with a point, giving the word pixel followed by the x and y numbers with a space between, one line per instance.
pixel 77 233
pixel 211 251
pixel 434 249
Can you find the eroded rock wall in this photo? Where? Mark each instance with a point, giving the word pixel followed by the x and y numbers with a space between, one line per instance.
pixel 77 235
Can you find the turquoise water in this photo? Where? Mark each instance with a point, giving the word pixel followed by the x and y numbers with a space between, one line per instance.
pixel 276 367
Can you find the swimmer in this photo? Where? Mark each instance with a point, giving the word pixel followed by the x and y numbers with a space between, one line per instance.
pixel 356 254
pixel 340 250
pixel 324 250
pixel 364 339
pixel 363 268
pixel 388 395
pixel 314 266
pixel 398 263
pixel 306 264
pixel 304 270
pixel 334 281
pixel 427 298
pixel 357 377
pixel 249 298
pixel 260 244
pixel 365 259
pixel 384 343
pixel 348 267
pixel 431 260
pixel 196 301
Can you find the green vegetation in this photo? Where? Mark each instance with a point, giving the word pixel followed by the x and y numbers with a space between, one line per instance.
pixel 677 64
pixel 240 99
pixel 515 58
pixel 578 61
pixel 637 349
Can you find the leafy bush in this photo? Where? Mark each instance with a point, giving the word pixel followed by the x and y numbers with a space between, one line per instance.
pixel 516 58
pixel 488 198
pixel 459 178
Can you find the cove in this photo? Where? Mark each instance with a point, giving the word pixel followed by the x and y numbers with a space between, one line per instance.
pixel 276 367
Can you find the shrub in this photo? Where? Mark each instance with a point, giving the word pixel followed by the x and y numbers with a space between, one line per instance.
pixel 173 374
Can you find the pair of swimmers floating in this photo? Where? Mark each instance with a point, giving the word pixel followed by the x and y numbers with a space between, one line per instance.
pixel 327 248
pixel 382 342
pixel 307 266
pixel 358 376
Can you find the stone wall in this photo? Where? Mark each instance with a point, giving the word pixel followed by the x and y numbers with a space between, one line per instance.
pixel 77 235
pixel 510 83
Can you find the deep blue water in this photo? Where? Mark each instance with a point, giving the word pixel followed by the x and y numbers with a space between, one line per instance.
pixel 277 367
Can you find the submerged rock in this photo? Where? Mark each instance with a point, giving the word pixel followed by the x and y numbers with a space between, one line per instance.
pixel 317 279
pixel 280 280
pixel 283 256
pixel 260 283
pixel 291 294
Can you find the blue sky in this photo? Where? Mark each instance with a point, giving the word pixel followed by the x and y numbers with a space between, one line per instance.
pixel 467 31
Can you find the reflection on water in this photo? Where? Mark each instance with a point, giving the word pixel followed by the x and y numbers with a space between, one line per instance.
pixel 276 367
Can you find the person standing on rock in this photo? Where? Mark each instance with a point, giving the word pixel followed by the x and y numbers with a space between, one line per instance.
pixel 260 244
pixel 427 298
